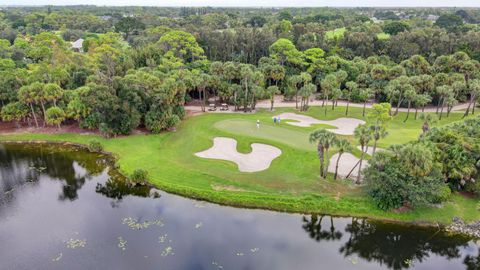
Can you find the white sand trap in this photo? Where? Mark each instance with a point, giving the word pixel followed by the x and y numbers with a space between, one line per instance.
pixel 259 159
pixel 345 126
pixel 347 161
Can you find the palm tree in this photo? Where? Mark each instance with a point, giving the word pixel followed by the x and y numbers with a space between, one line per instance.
pixel 305 92
pixel 410 96
pixel 420 101
pixel 271 92
pixel 324 140
pixel 380 116
pixel 443 92
pixel 378 132
pixel 343 146
pixel 27 96
pixel 364 134
pixel 474 92
pixel 347 93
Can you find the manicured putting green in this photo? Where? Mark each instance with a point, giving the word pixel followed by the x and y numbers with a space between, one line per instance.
pixel 277 133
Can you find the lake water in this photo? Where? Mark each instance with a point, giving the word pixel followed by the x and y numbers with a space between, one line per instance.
pixel 65 209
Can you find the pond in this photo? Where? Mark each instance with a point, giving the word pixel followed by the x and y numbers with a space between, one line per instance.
pixel 66 209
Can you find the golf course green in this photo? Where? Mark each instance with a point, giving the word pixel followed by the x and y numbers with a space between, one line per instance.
pixel 291 183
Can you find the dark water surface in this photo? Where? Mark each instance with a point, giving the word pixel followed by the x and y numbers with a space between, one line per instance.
pixel 65 209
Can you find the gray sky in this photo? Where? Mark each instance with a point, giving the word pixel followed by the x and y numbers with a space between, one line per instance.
pixel 268 3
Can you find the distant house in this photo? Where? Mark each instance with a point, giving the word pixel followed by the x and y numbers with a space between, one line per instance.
pixel 77 45
pixel 376 20
pixel 105 17
pixel 432 18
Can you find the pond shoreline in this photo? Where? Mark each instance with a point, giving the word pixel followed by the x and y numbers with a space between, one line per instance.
pixel 453 228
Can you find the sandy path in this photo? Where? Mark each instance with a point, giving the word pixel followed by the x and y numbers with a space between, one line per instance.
pixel 259 159
pixel 345 126
pixel 280 103
pixel 347 161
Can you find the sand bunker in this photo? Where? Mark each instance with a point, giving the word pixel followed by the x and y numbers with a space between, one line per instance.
pixel 347 161
pixel 345 126
pixel 259 159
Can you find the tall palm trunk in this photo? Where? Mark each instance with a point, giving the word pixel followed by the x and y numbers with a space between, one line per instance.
pixel 441 110
pixel 44 113
pixel 326 167
pixel 246 98
pixel 326 104
pixel 296 98
pixel 321 152
pixel 416 112
pixel 364 106
pixel 348 103
pixel 400 100
pixel 472 98
pixel 360 165
pixel 33 114
pixel 408 111
pixel 336 165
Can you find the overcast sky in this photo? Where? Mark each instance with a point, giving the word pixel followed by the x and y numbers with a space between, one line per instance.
pixel 256 3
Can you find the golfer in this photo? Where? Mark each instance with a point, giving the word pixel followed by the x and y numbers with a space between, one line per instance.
pixel 274 120
pixel 258 124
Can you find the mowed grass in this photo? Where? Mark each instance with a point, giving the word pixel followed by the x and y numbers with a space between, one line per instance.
pixel 290 184
pixel 383 36
pixel 336 33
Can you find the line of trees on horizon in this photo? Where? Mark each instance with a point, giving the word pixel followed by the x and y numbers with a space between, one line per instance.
pixel 141 75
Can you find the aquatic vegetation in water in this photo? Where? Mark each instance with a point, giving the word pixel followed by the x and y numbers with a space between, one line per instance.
pixel 135 225
pixel 167 251
pixel 76 243
pixel 59 256
pixel 240 254
pixel 253 250
pixel 353 260
pixel 122 243
pixel 217 265
pixel 198 225
pixel 409 262
pixel 163 239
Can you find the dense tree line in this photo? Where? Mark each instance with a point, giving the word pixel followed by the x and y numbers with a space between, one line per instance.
pixel 138 66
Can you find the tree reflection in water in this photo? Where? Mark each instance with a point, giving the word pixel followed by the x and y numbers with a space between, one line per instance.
pixel 116 188
pixel 314 228
pixel 22 164
pixel 392 245
pixel 472 262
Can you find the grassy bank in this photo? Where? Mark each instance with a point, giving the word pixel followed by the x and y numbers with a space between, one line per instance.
pixel 290 184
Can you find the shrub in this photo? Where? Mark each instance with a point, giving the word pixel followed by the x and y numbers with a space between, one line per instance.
pixel 95 146
pixel 139 176
pixel 55 116
pixel 400 177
